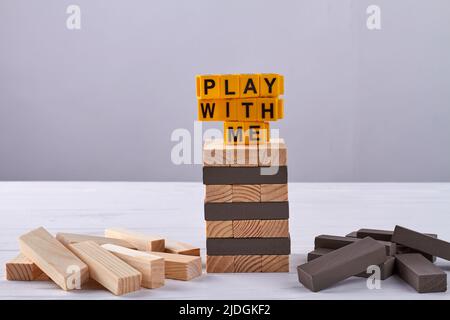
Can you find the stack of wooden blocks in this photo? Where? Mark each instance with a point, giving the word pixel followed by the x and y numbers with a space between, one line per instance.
pixel 122 261
pixel 245 174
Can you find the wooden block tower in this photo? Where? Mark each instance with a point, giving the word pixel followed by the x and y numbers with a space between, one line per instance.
pixel 245 174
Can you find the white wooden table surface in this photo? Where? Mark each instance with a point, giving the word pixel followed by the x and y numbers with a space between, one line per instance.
pixel 175 210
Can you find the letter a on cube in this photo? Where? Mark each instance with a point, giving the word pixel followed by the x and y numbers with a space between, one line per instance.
pixel 249 84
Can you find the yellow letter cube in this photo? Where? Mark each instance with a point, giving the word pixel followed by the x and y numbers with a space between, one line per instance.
pixel 249 85
pixel 208 86
pixel 229 86
pixel 271 85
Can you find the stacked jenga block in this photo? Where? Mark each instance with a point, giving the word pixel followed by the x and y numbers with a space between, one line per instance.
pixel 246 213
pixel 245 175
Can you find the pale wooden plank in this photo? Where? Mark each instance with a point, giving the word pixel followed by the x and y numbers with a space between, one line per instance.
pixel 246 228
pixel 141 241
pixel 274 192
pixel 53 258
pixel 21 268
pixel 218 193
pixel 179 266
pixel 179 247
pixel 107 269
pixel 273 153
pixel 219 264
pixel 246 193
pixel 274 228
pixel 219 229
pixel 274 263
pixel 247 263
pixel 69 238
pixel 150 266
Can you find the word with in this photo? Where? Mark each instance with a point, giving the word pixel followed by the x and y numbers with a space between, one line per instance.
pixel 248 109
pixel 239 86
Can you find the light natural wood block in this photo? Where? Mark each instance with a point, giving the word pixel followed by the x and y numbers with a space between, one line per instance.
pixel 23 269
pixel 246 193
pixel 246 228
pixel 214 153
pixel 179 266
pixel 274 192
pixel 107 269
pixel 273 153
pixel 53 258
pixel 181 248
pixel 219 264
pixel 274 228
pixel 272 263
pixel 218 193
pixel 150 266
pixel 68 238
pixel 245 156
pixel 219 229
pixel 141 241
pixel 248 263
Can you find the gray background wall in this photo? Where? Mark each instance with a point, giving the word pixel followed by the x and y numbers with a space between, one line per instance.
pixel 100 103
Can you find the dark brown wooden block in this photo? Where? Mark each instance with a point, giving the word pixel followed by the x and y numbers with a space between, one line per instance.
pixel 386 268
pixel 246 211
pixel 336 242
pixel 318 252
pixel 386 235
pixel 341 264
pixel 421 242
pixel 251 246
pixel 243 175
pixel 383 235
pixel 420 273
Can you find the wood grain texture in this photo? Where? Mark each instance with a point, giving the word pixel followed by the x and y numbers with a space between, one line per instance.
pixel 246 193
pixel 246 228
pixel 69 238
pixel 179 247
pixel 219 229
pixel 251 263
pixel 219 264
pixel 107 269
pixel 53 258
pixel 23 269
pixel 180 267
pixel 261 228
pixel 218 193
pixel 273 263
pixel 274 192
pixel 141 241
pixel 150 266
pixel 274 228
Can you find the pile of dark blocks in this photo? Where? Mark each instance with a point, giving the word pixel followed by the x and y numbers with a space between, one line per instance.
pixel 404 252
